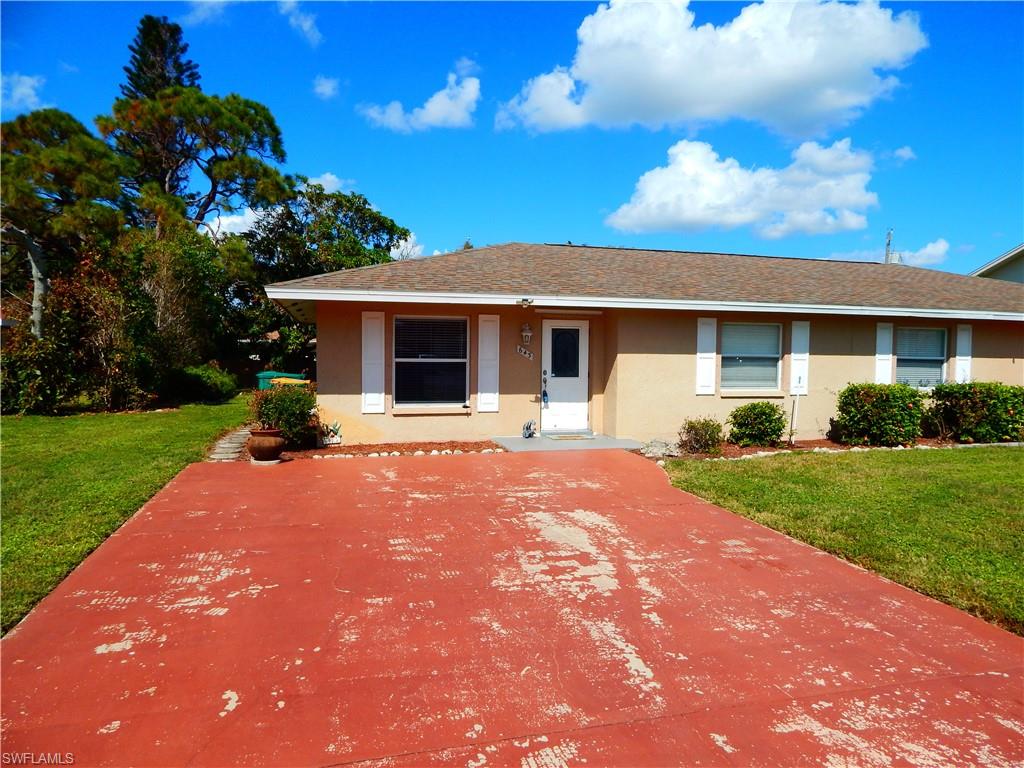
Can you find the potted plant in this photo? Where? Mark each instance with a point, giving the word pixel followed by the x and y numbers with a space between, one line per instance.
pixel 266 440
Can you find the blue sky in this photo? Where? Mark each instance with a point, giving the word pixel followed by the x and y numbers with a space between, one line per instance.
pixel 794 129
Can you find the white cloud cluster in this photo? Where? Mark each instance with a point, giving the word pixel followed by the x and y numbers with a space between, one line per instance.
pixel 824 190
pixel 409 248
pixel 20 93
pixel 203 11
pixel 324 87
pixel 235 223
pixel 332 183
pixel 451 107
pixel 797 67
pixel 904 154
pixel 931 254
pixel 302 22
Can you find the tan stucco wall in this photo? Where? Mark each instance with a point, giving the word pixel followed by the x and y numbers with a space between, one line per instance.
pixel 643 369
pixel 339 379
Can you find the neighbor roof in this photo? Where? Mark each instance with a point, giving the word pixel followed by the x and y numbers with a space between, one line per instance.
pixel 999 261
pixel 571 275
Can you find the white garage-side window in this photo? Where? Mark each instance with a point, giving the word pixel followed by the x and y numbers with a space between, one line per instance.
pixel 431 361
pixel 750 355
pixel 920 356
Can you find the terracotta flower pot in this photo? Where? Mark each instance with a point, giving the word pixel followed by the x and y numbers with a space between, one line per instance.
pixel 265 445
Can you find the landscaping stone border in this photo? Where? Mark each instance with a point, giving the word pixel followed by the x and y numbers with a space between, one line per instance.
pixel 445 452
pixel 858 449
pixel 229 447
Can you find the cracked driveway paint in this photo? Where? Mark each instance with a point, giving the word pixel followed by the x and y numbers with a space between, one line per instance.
pixel 537 610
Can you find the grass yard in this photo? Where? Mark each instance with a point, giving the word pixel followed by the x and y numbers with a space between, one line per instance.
pixel 69 482
pixel 948 523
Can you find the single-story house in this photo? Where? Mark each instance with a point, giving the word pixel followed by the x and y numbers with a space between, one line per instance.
pixel 629 343
pixel 1007 266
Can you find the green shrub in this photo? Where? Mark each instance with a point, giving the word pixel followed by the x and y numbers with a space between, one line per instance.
pixel 199 384
pixel 36 375
pixel 879 414
pixel 978 412
pixel 701 436
pixel 290 408
pixel 760 423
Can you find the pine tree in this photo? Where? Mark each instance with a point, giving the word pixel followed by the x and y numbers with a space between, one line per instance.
pixel 158 60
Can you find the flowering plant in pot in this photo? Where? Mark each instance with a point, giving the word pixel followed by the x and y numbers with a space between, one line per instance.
pixel 282 416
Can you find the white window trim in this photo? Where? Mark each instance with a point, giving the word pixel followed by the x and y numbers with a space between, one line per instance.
pixel 778 362
pixel 896 356
pixel 396 360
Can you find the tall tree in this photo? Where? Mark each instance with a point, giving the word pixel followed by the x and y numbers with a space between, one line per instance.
pixel 60 189
pixel 157 63
pixel 220 161
pixel 158 60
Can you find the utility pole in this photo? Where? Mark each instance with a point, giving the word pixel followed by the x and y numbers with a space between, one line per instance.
pixel 891 257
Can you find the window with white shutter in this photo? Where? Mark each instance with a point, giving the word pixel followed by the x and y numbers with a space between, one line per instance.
pixel 750 355
pixel 920 356
pixel 431 361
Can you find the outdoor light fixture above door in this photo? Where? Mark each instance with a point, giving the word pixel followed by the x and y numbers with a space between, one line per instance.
pixel 527 333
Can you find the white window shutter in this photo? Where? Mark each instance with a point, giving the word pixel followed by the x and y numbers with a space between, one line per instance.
pixel 963 354
pixel 799 357
pixel 707 342
pixel 373 362
pixel 883 354
pixel 487 363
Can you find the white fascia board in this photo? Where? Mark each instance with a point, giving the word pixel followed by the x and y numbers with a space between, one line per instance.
pixel 608 302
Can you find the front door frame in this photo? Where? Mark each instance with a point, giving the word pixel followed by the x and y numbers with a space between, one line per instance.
pixel 582 423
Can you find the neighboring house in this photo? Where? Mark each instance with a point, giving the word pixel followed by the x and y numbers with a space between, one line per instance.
pixel 1009 266
pixel 631 342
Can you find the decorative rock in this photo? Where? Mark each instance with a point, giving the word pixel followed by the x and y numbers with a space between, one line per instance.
pixel 499 450
pixel 457 452
pixel 661 462
pixel 373 455
pixel 446 452
pixel 396 453
pixel 419 453
pixel 487 450
pixel 657 449
pixel 317 456
pixel 435 452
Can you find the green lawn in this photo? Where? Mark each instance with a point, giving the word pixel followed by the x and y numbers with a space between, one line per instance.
pixel 69 482
pixel 948 523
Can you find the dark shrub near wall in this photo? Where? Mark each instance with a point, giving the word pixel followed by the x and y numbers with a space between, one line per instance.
pixel 199 384
pixel 760 423
pixel 879 414
pixel 290 408
pixel 978 412
pixel 701 436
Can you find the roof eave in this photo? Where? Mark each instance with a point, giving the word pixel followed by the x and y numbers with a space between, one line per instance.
pixel 286 296
pixel 998 261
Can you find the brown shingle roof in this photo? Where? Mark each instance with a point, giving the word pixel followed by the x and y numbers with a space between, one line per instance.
pixel 525 270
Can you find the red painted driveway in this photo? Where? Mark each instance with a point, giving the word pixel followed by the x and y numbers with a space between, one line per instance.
pixel 517 609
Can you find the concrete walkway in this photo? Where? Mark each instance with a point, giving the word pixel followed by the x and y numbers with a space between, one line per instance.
pixel 229 447
pixel 540 610
pixel 548 443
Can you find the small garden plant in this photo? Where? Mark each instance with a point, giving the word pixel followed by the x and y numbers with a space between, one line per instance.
pixel 982 412
pixel 879 414
pixel 701 436
pixel 761 423
pixel 290 408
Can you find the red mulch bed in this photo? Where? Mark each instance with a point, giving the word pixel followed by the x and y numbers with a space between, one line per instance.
pixel 403 448
pixel 730 451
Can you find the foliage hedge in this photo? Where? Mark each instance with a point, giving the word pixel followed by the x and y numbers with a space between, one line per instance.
pixel 701 436
pixel 290 408
pixel 879 414
pixel 760 423
pixel 982 412
pixel 200 384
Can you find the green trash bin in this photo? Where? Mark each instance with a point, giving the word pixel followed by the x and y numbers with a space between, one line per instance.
pixel 263 378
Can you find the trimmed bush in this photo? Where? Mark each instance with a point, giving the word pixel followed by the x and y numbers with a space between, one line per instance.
pixel 760 423
pixel 879 414
pixel 200 384
pixel 701 436
pixel 978 412
pixel 290 408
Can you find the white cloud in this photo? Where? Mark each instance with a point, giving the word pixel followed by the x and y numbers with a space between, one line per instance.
pixel 20 93
pixel 904 154
pixel 235 223
pixel 823 190
pixel 409 248
pixel 203 11
pixel 302 22
pixel 325 87
pixel 933 253
pixel 332 183
pixel 451 107
pixel 795 66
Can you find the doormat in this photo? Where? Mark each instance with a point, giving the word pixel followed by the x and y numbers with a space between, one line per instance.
pixel 570 437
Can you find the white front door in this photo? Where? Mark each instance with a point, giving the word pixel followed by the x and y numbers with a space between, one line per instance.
pixel 565 377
